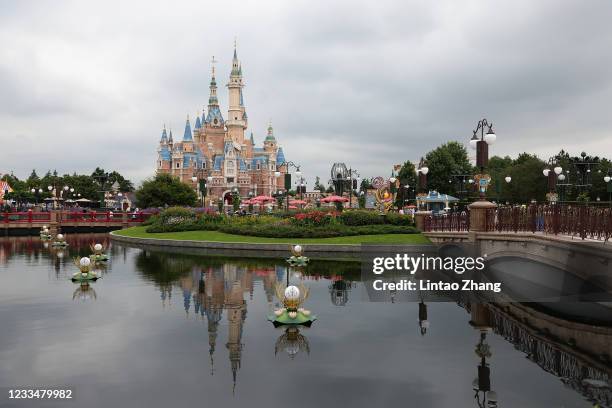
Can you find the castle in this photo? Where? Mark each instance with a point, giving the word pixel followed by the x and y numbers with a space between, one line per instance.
pixel 218 152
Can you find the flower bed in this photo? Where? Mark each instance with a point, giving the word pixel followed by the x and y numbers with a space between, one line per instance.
pixel 305 224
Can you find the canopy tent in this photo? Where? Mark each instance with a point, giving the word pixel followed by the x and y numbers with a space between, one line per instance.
pixel 334 199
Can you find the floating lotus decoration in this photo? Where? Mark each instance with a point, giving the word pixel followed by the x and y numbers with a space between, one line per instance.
pixel 98 254
pixel 292 312
pixel 44 233
pixel 85 273
pixel 60 241
pixel 297 256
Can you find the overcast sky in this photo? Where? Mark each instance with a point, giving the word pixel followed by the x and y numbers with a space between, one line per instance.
pixel 86 84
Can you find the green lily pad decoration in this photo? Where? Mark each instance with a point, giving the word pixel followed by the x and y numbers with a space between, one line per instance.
pixel 99 257
pixel 285 319
pixel 298 260
pixel 80 277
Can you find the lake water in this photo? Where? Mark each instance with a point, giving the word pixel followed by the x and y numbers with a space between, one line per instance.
pixel 165 329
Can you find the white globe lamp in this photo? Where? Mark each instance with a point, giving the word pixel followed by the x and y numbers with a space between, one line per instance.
pixel 292 293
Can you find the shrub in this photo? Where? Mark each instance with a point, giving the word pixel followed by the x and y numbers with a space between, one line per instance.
pixel 295 231
pixel 398 219
pixel 361 217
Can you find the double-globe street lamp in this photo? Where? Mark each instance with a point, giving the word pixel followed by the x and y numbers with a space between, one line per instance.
pixel 481 144
pixel 553 176
pixel 202 186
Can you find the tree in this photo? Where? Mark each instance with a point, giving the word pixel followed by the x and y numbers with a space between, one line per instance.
pixel 318 186
pixel 527 183
pixel 444 161
pixel 406 177
pixel 165 189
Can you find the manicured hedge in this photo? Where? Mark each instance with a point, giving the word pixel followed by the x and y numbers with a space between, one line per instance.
pixel 332 230
pixel 361 217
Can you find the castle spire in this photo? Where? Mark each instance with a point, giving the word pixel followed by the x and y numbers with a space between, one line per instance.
pixel 164 136
pixel 187 136
pixel 214 117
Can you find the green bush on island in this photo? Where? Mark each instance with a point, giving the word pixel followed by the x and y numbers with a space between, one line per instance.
pixel 304 224
pixel 361 217
pixel 282 230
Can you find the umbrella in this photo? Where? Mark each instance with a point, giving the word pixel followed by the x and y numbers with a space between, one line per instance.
pixel 334 199
pixel 297 202
pixel 263 198
pixel 292 207
pixel 83 200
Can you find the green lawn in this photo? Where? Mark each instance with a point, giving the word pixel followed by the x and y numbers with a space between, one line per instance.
pixel 139 232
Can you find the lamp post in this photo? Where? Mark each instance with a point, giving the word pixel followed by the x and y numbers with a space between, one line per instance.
pixel 607 179
pixel 353 174
pixel 37 193
pixel 481 144
pixel 201 186
pixel 422 171
pixel 288 165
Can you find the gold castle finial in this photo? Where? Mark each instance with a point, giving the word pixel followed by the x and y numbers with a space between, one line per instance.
pixel 213 61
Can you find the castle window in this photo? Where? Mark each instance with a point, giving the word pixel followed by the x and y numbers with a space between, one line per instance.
pixel 258 167
pixel 203 164
pixel 178 165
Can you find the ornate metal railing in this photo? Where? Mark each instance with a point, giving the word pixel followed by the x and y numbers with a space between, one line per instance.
pixel 573 220
pixel 456 221
pixel 34 217
pixel 575 373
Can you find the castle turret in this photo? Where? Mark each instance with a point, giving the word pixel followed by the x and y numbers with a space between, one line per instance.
pixel 270 141
pixel 214 117
pixel 236 121
pixel 187 136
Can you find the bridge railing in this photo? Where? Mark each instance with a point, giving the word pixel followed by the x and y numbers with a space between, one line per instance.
pixel 559 219
pixel 35 217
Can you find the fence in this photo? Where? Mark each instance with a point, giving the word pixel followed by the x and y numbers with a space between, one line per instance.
pixel 576 221
pixel 31 217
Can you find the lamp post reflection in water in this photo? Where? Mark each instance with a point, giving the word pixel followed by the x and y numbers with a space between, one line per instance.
pixel 338 291
pixel 481 321
pixel 292 342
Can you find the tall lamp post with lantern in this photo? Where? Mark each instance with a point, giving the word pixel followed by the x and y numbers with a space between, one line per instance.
pixel 420 194
pixel 202 186
pixel 481 141
pixel 298 174
pixel 608 180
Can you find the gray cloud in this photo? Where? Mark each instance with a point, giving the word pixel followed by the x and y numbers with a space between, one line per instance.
pixel 369 83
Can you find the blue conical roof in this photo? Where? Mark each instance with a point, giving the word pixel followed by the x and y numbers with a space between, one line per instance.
pixel 187 135
pixel 198 124
pixel 280 156
pixel 164 136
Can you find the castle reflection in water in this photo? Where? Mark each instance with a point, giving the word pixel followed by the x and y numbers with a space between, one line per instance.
pixel 579 355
